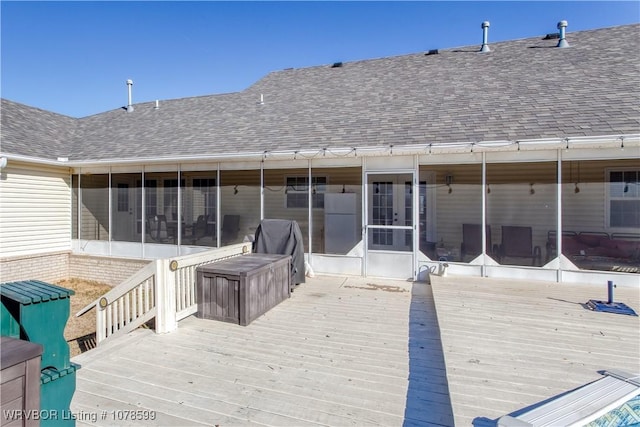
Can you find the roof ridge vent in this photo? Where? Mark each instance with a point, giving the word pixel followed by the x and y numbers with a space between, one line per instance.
pixel 563 41
pixel 337 65
pixel 432 52
pixel 129 104
pixel 485 37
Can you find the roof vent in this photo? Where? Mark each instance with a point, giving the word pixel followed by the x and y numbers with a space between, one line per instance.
pixel 561 26
pixel 485 37
pixel 337 65
pixel 129 104
pixel 157 104
pixel 551 36
pixel 432 52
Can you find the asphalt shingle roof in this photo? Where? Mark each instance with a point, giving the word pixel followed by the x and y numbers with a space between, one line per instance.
pixel 522 89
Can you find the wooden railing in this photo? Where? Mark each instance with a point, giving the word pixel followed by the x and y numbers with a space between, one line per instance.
pixel 165 289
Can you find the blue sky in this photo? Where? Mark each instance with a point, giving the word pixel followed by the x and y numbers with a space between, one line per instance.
pixel 74 58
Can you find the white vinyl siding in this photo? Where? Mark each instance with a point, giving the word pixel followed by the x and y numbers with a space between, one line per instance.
pixel 35 210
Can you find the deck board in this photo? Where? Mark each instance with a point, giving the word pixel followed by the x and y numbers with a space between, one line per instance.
pixel 509 344
pixel 339 352
pixel 368 352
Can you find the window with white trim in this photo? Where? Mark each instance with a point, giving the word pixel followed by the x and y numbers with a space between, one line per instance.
pixel 297 190
pixel 624 198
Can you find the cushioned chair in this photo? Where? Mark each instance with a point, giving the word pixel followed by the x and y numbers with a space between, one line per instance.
pixel 472 240
pixel 230 228
pixel 518 242
pixel 199 229
pixel 157 225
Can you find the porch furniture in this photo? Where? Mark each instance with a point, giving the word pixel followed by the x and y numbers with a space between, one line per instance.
pixel 158 229
pixel 551 245
pixel 472 240
pixel 282 236
pixel 198 230
pixel 230 228
pixel 597 250
pixel 517 242
pixel 240 289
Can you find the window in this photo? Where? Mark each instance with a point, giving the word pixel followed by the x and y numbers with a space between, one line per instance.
pixel 624 198
pixel 204 190
pixel 171 198
pixel 297 190
pixel 123 197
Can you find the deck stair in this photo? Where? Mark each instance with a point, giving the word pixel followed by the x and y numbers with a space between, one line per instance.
pixel 163 290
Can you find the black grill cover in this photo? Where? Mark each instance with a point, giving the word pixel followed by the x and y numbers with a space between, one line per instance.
pixel 282 236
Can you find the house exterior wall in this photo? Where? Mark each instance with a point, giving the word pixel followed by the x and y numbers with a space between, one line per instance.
pixel 49 267
pixel 35 209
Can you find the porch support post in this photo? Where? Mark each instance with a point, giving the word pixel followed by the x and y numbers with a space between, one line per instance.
pixel 262 190
pixel 218 214
pixel 484 215
pixel 559 216
pixel 165 290
pixel 365 212
pixel 110 209
pixel 179 225
pixel 309 211
pixel 79 202
pixel 143 214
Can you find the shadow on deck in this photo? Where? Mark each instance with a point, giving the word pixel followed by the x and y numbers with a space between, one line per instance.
pixel 428 401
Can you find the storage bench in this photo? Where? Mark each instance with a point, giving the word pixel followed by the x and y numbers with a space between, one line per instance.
pixel 242 288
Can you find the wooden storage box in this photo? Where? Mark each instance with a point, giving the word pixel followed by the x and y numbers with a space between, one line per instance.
pixel 19 381
pixel 240 289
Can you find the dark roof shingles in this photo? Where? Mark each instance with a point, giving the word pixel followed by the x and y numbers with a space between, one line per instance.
pixel 522 89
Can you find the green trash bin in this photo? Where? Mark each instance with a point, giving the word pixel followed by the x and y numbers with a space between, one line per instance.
pixel 37 311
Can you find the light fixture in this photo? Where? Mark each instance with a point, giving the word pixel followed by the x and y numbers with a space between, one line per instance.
pixel 450 190
pixel 235 190
pixel 531 190
pixel 622 142
pixel 567 147
pixel 577 189
pixel 343 190
pixel 488 189
pixel 518 143
pixel 626 188
pixel 377 188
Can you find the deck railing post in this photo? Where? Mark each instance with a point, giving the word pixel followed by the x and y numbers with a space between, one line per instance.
pixel 100 323
pixel 165 298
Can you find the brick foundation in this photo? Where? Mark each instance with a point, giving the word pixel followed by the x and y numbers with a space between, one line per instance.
pixel 65 265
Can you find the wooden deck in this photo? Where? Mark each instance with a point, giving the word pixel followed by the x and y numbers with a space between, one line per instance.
pixel 510 344
pixel 341 351
pixel 366 352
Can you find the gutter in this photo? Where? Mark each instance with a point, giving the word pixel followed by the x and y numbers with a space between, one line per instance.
pixel 604 141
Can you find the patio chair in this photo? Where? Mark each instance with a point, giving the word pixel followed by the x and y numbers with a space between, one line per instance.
pixel 517 242
pixel 230 228
pixel 472 240
pixel 157 225
pixel 199 229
